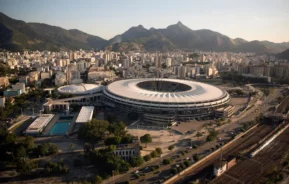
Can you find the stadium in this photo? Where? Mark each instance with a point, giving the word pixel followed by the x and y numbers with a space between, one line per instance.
pixel 162 101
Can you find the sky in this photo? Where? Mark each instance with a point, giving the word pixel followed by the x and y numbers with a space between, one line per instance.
pixel 247 19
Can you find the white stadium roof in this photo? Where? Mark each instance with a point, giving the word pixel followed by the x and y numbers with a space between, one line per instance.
pixel 85 114
pixel 80 89
pixel 197 92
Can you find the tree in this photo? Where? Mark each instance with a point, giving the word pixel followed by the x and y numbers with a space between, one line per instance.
pixel 71 147
pixel 171 147
pixel 107 162
pixel 25 167
pixel 112 140
pixel 187 163
pixel 167 161
pixel 46 149
pixel 173 171
pixel 159 150
pixel 126 139
pixel 93 131
pixel 20 152
pixel 136 161
pixel 147 138
pixel 147 158
pixel 196 157
pixel 98 179
pixel 118 129
pixel 212 135
pixel 52 149
pixel 29 143
pixel 154 154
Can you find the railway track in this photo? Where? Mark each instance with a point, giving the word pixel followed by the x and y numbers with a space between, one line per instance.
pixel 250 170
pixel 245 141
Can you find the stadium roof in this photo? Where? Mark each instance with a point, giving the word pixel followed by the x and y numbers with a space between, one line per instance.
pixel 196 92
pixel 80 89
pixel 85 114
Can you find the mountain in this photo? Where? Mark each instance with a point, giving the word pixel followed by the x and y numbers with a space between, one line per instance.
pixel 141 39
pixel 17 35
pixel 179 36
pixel 283 55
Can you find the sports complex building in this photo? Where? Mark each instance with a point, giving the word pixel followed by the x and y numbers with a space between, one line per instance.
pixel 156 101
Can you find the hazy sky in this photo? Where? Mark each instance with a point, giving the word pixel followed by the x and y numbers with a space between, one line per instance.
pixel 248 19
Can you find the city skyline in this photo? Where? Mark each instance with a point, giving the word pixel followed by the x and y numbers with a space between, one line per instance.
pixel 108 19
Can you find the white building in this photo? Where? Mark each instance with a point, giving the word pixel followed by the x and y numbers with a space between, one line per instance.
pixel 39 124
pixel 85 114
pixel 169 62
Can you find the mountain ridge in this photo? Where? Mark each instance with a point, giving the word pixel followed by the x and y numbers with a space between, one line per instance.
pixel 17 35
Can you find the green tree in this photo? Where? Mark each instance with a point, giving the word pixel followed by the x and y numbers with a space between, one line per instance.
pixel 173 171
pixel 159 150
pixel 187 163
pixel 147 158
pixel 52 149
pixel 136 161
pixel 196 157
pixel 171 147
pixel 167 161
pixel 46 149
pixel 112 140
pixel 147 138
pixel 154 154
pixel 93 131
pixel 118 129
pixel 126 139
pixel 25 167
pixel 29 143
pixel 20 152
pixel 98 179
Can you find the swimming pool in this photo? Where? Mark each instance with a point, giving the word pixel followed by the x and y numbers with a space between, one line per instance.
pixel 65 117
pixel 60 128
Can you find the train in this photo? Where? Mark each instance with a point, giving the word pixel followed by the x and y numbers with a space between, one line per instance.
pixel 260 148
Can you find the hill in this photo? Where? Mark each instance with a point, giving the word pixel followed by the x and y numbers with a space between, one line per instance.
pixel 284 55
pixel 16 35
pixel 179 36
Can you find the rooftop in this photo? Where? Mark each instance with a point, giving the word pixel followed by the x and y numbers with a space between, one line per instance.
pixel 80 89
pixel 39 123
pixel 85 114
pixel 165 90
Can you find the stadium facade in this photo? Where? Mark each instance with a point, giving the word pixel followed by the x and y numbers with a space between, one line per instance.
pixel 155 101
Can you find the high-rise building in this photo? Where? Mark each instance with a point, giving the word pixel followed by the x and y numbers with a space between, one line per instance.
pixel 157 60
pixel 169 62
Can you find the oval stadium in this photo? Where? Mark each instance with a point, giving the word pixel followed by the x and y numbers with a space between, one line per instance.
pixel 162 101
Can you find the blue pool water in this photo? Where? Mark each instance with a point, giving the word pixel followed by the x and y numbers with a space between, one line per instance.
pixel 60 128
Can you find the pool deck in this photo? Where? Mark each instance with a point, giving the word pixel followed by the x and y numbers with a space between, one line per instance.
pixel 55 119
